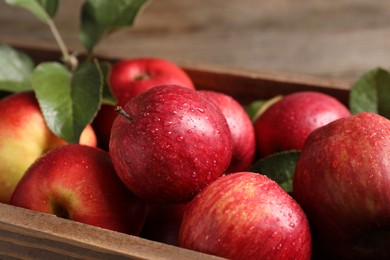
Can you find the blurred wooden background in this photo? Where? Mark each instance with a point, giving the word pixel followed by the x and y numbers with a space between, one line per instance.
pixel 331 39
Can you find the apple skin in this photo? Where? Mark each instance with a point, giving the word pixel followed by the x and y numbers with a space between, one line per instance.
pixel 286 124
pixel 24 136
pixel 174 143
pixel 246 216
pixel 79 183
pixel 342 181
pixel 163 222
pixel 102 125
pixel 128 78
pixel 241 127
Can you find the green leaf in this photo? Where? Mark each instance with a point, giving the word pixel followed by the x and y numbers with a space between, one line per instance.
pixel 15 69
pixel 371 93
pixel 279 167
pixel 69 101
pixel 257 107
pixel 108 98
pixel 51 6
pixel 101 17
pixel 253 108
pixel 44 10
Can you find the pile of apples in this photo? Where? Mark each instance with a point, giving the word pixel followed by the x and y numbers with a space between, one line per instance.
pixel 171 163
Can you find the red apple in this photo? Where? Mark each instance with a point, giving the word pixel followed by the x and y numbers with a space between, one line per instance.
pixel 241 127
pixel 129 78
pixel 342 181
pixel 286 124
pixel 24 136
pixel 163 222
pixel 170 145
pixel 79 183
pixel 102 125
pixel 246 216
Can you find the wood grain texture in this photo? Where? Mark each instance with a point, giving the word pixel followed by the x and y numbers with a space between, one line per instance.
pixel 339 39
pixel 25 234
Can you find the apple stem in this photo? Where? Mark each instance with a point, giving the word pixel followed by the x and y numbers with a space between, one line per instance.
pixel 123 113
pixel 69 59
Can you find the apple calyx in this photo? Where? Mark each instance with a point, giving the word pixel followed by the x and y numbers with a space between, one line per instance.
pixel 60 206
pixel 60 210
pixel 123 113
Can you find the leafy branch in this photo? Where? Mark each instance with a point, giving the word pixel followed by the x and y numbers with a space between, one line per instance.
pixel 69 96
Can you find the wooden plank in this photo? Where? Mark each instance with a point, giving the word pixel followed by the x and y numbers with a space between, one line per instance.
pixel 26 234
pixel 244 85
pixel 329 39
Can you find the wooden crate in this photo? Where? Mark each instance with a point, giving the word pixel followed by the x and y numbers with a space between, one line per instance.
pixel 33 235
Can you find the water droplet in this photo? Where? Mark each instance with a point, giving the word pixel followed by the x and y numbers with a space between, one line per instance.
pixel 179 138
pixel 169 132
pixel 189 131
pixel 200 110
pixel 145 114
pixel 292 225
pixel 168 123
pixel 196 160
pixel 193 174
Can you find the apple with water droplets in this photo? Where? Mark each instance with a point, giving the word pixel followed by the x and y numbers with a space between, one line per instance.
pixel 246 215
pixel 241 128
pixel 286 124
pixel 168 143
pixel 342 181
pixel 79 183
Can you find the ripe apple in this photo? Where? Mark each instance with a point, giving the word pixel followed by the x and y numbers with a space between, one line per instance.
pixel 241 127
pixel 342 181
pixel 128 78
pixel 24 136
pixel 79 183
pixel 286 124
pixel 246 216
pixel 102 124
pixel 170 143
pixel 163 223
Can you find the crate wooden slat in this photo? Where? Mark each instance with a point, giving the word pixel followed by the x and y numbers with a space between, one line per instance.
pixel 25 234
pixel 244 85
